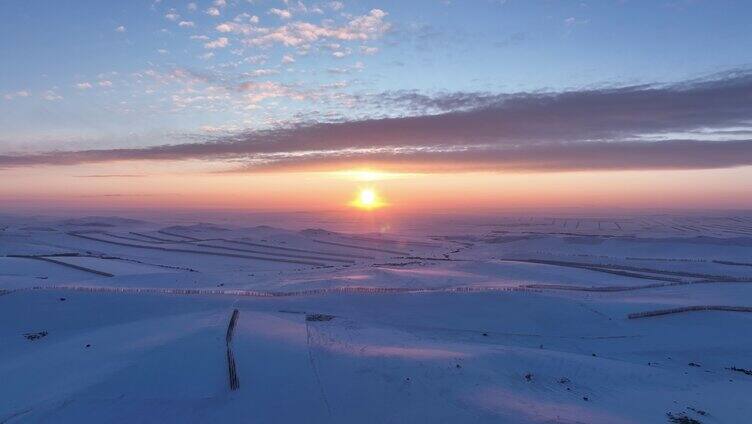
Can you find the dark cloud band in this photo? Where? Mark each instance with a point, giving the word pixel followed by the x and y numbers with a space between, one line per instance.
pixel 576 130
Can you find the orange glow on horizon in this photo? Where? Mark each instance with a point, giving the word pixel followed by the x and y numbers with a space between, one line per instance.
pixel 369 175
pixel 195 185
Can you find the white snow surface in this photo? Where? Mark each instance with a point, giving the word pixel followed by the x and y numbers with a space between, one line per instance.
pixel 508 320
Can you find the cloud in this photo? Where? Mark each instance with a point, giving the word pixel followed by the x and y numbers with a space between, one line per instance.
pixel 212 11
pixel 671 154
pixel 186 24
pixel 296 34
pixel 105 83
pixel 286 59
pixel 192 6
pixel 225 27
pixel 688 125
pixel 120 29
pixel 83 85
pixel 572 21
pixel 51 96
pixel 256 92
pixel 219 43
pixel 357 66
pixel 261 72
pixel 112 176
pixel 20 93
pixel 172 16
pixel 281 13
pixel 336 5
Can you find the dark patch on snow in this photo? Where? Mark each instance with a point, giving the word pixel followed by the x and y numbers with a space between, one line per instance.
pixel 35 336
pixel 316 232
pixel 697 411
pixel 319 317
pixel 742 370
pixel 680 418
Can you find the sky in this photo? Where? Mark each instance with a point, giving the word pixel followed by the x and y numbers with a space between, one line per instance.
pixel 299 105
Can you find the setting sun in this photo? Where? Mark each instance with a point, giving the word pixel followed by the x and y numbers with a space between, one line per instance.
pixel 367 199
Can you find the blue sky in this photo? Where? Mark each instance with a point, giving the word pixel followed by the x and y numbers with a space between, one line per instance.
pixel 109 74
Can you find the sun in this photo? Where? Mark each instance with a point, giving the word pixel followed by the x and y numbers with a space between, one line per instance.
pixel 367 199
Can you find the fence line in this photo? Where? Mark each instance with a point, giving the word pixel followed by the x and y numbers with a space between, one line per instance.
pixel 199 252
pixel 290 249
pixel 353 246
pixel 263 293
pixel 689 309
pixel 65 264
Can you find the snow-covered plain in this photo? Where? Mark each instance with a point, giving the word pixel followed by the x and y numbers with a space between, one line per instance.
pixel 510 319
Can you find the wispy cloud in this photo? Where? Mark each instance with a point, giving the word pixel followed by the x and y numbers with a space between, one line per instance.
pixel 572 21
pixel 281 13
pixel 112 176
pixel 19 93
pixel 172 16
pixel 219 43
pixel 359 28
pixel 51 95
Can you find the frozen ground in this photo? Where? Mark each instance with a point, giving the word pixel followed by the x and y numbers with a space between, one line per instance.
pixel 513 320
